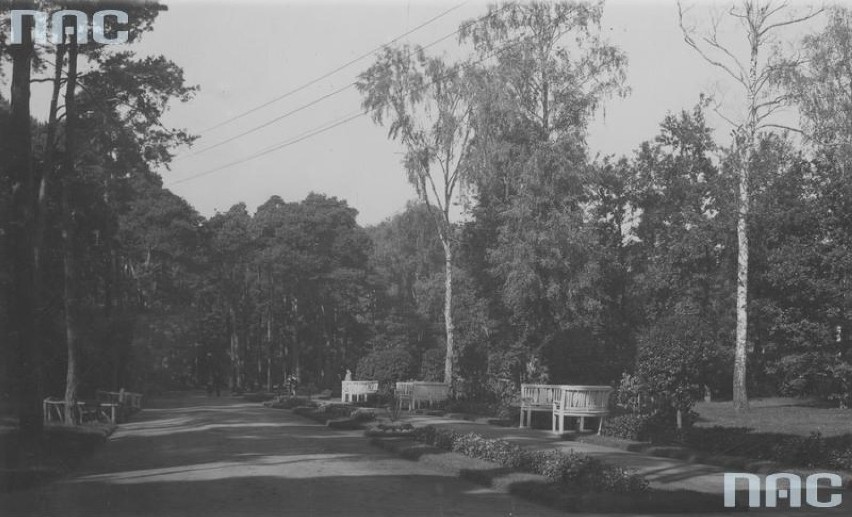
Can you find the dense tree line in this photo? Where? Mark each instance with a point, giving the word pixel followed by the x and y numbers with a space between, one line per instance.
pixel 565 268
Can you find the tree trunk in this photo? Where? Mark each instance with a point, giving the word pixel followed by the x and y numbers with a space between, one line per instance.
pixel 746 159
pixel 448 312
pixel 234 351
pixel 24 343
pixel 71 300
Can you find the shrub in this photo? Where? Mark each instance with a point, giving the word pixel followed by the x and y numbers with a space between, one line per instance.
pixel 386 366
pixel 655 427
pixel 841 459
pixel 290 403
pixel 632 394
pixel 627 427
pixel 677 356
pixel 573 469
pixel 363 415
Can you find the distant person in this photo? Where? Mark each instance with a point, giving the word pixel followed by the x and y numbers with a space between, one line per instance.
pixel 292 384
pixel 348 375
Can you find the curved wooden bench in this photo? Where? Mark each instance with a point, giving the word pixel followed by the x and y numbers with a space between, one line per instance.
pixel 537 397
pixel 581 402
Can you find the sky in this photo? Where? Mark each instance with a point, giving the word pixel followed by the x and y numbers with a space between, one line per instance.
pixel 244 54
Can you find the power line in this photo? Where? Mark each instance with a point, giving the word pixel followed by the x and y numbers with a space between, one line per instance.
pixel 322 129
pixel 328 95
pixel 334 71
pixel 287 143
pixel 273 121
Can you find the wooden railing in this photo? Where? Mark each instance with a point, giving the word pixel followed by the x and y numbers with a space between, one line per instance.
pixel 415 393
pixel 351 391
pixel 109 406
pixel 581 402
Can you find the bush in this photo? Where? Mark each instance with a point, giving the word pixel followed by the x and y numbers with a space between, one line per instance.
pixel 573 469
pixel 386 366
pixel 290 403
pixel 657 427
pixel 627 427
pixel 677 356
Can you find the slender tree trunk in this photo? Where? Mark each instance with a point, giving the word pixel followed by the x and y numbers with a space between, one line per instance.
pixel 448 312
pixel 68 235
pixel 234 352
pixel 23 337
pixel 746 160
pixel 270 324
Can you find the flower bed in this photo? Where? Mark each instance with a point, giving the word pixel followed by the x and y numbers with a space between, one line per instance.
pixel 571 469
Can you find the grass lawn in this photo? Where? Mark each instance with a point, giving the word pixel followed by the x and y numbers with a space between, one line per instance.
pixel 778 415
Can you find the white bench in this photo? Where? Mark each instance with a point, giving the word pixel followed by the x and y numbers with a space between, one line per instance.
pixel 417 392
pixel 352 391
pixel 537 397
pixel 582 402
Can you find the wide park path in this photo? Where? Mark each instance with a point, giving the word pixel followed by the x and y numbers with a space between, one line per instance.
pixel 193 455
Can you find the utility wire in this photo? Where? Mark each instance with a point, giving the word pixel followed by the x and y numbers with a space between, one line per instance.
pixel 334 71
pixel 324 97
pixel 294 140
pixel 322 129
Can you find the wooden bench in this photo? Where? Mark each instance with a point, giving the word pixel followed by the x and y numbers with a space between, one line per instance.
pixel 352 391
pixel 415 393
pixel 537 397
pixel 580 402
pixel 53 410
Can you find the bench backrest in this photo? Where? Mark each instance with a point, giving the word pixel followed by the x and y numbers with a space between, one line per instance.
pixel 592 398
pixel 539 395
pixel 430 390
pixel 357 387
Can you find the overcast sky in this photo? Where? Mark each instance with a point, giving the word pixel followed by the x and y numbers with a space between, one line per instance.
pixel 242 54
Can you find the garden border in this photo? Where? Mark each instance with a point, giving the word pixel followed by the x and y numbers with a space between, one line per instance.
pixel 689 455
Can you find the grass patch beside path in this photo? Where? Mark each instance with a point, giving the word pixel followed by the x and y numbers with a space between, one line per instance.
pixel 778 415
pixel 541 490
pixel 28 461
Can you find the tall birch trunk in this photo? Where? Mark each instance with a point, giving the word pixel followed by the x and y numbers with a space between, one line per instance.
pixel 448 312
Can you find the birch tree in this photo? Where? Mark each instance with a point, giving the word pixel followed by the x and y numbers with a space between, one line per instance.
pixel 752 72
pixel 424 103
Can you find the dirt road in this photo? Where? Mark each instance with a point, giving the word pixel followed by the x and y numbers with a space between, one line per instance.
pixel 194 455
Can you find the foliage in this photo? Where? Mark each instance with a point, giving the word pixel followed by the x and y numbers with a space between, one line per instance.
pixel 571 469
pixel 628 426
pixel 386 366
pixel 678 355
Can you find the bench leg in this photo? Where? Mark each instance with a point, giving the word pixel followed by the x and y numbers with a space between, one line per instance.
pixel 600 424
pixel 521 424
pixel 582 424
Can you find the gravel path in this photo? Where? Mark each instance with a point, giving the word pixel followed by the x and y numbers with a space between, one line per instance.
pixel 193 455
